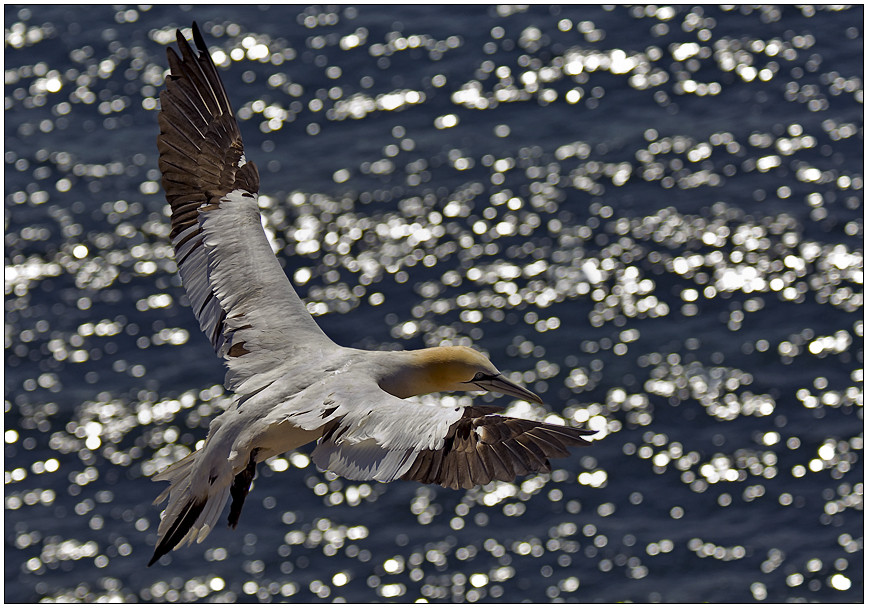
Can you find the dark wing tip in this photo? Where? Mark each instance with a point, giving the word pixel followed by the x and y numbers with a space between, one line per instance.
pixel 571 435
pixel 172 56
pixel 481 447
pixel 197 38
pixel 200 143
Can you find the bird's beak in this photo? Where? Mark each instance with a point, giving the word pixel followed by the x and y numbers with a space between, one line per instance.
pixel 500 384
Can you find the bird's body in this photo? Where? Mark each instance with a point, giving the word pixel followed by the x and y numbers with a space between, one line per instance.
pixel 292 384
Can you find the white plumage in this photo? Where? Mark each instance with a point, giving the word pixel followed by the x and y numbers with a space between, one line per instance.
pixel 292 384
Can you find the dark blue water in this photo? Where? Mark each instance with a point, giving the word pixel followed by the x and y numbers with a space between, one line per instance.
pixel 654 215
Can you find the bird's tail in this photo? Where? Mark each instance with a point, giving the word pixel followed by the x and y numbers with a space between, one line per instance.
pixel 198 490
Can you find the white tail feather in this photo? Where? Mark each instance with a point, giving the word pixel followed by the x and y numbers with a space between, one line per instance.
pixel 199 486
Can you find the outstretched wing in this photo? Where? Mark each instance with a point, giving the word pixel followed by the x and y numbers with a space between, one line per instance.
pixel 238 291
pixel 371 434
pixel 481 447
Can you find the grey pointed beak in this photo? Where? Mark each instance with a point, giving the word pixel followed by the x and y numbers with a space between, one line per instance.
pixel 500 384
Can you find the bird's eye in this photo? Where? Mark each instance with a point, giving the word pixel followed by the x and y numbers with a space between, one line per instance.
pixel 480 376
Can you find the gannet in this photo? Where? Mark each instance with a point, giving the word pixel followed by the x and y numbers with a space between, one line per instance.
pixel 292 385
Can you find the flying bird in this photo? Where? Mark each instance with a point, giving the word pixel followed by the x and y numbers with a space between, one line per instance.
pixel 292 385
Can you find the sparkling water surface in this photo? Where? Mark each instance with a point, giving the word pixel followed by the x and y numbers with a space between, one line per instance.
pixel 651 216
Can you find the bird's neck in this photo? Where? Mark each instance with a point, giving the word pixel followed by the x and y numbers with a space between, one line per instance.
pixel 409 373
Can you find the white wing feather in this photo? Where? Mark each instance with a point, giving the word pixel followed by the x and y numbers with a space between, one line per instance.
pixel 264 315
pixel 375 436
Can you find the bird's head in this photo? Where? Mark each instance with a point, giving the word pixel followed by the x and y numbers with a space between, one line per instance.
pixel 463 369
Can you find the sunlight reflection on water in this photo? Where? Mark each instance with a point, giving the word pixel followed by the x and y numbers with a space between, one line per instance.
pixel 652 216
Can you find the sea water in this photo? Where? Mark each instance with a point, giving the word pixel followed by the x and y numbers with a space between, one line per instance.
pixel 651 216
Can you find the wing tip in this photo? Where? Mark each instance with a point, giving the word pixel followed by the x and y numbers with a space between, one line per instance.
pixel 198 39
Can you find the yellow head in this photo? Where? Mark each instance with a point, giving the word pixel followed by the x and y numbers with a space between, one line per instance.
pixel 457 369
